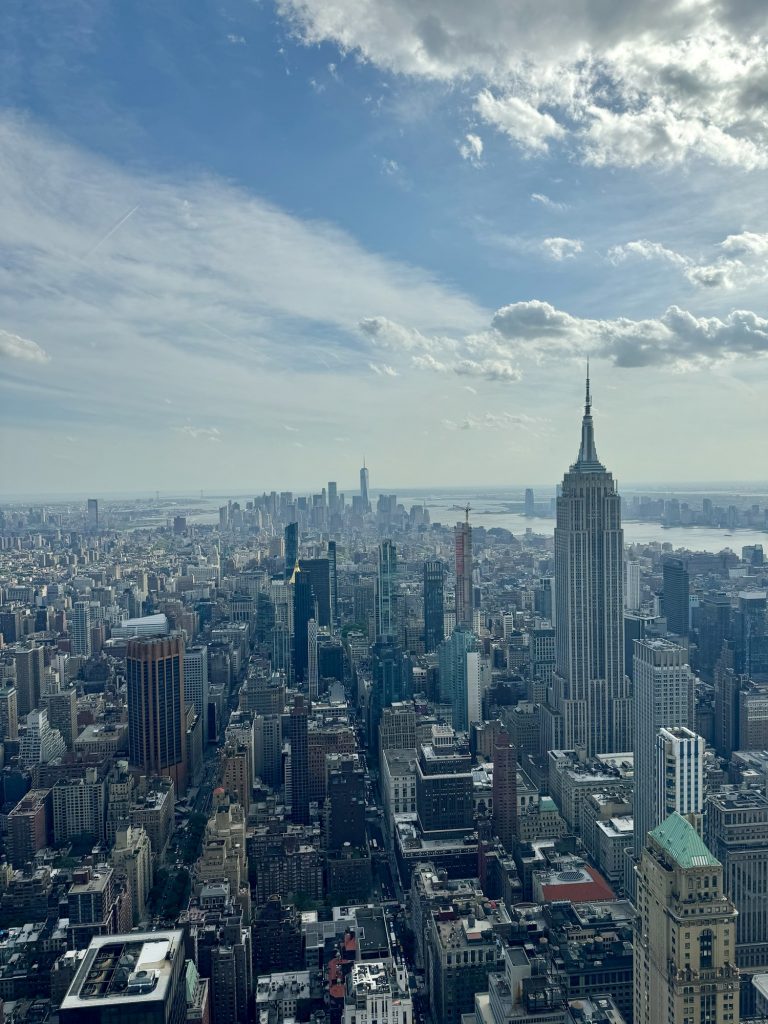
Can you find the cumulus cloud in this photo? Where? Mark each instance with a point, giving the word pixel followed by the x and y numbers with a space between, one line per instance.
pixel 738 261
pixel 537 332
pixel 530 128
pixel 12 346
pixel 561 248
pixel 471 148
pixel 621 84
pixel 468 356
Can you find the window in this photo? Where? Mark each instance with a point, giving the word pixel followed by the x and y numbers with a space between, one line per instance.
pixel 705 949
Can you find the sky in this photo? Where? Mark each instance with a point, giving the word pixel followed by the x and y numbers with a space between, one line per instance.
pixel 245 243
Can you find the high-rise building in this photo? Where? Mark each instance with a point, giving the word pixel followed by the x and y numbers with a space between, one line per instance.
pixel 304 609
pixel 291 535
pixel 345 803
pixel 334 583
pixel 444 801
pixel 333 496
pixel 529 504
pixel 62 713
pixel 135 978
pixel 632 585
pixel 92 514
pixel 505 790
pixel 676 596
pixel 714 629
pixel 464 594
pixel 390 683
pixel 386 590
pixel 590 707
pixel 154 669
pixel 664 698
pixel 40 744
pixel 459 667
pixel 679 773
pixel 685 938
pixel 196 688
pixel 299 763
pixel 81 629
pixel 9 712
pixel 434 613
pixel 365 500
pixel 313 676
pixel 317 571
pixel 30 671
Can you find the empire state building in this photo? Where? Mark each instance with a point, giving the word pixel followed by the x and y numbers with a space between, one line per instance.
pixel 588 705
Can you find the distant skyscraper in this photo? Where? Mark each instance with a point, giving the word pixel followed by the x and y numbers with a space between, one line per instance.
pixel 81 629
pixel 591 704
pixel 318 572
pixel 334 583
pixel 459 666
pixel 386 590
pixel 632 585
pixel 196 683
pixel 364 497
pixel 299 763
pixel 304 609
pixel 675 598
pixel 685 933
pixel 505 790
pixel 664 698
pixel 529 502
pixel 30 672
pixel 434 613
pixel 92 514
pixel 464 602
pixel 333 497
pixel 313 678
pixel 291 535
pixel 157 730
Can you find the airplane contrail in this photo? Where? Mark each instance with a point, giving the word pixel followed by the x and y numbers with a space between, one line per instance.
pixel 111 231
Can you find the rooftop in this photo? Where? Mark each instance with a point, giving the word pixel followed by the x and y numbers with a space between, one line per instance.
pixel 677 837
pixel 119 968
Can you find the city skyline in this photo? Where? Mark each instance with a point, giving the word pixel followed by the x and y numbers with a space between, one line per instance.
pixel 289 203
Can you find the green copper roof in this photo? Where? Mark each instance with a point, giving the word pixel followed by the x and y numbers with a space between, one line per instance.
pixel 683 843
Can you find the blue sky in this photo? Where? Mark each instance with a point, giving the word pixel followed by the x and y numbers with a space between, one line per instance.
pixel 243 242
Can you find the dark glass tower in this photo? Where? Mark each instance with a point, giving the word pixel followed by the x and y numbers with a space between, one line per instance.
pixel 299 763
pixel 304 609
pixel 291 534
pixel 317 571
pixel 676 595
pixel 434 614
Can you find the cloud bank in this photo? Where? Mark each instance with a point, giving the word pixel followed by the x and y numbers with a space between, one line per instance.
pixel 623 84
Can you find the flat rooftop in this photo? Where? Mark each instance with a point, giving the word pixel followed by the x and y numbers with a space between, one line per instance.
pixel 125 968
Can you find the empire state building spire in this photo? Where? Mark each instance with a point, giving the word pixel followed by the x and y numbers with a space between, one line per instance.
pixel 587 462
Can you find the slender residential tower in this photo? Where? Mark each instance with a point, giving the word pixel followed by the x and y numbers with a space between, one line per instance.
pixel 589 703
pixel 464 603
pixel 364 499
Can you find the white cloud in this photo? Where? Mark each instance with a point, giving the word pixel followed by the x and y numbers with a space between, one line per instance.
pixel 550 204
pixel 12 346
pixel 471 148
pixel 383 370
pixel 530 128
pixel 561 248
pixel 537 332
pixel 738 261
pixel 532 425
pixel 626 84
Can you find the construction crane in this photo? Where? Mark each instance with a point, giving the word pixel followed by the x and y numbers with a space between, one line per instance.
pixel 466 509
